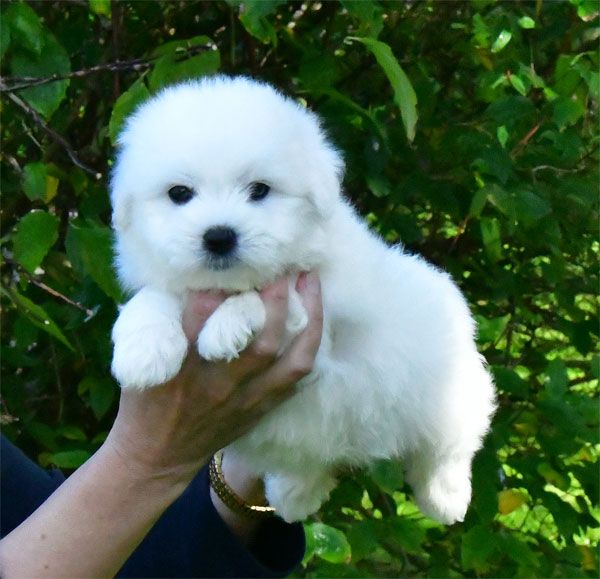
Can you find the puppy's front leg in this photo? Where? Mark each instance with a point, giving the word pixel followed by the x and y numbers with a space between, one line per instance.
pixel 231 327
pixel 149 341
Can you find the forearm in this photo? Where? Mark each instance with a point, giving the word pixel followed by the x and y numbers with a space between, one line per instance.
pixel 101 513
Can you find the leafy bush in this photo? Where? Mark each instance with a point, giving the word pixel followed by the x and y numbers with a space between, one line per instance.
pixel 470 134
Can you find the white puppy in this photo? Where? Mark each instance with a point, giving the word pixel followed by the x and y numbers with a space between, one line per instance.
pixel 225 183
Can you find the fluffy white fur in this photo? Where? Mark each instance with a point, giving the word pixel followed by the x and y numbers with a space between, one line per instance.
pixel 397 373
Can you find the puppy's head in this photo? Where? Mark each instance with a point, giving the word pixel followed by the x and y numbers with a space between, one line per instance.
pixel 221 183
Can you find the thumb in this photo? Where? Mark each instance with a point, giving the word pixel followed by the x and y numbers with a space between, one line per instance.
pixel 199 307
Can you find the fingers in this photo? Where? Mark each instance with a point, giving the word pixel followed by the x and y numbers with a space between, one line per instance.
pixel 199 307
pixel 275 298
pixel 298 360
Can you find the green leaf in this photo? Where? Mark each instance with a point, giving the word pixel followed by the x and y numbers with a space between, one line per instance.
pixel 175 66
pixel 502 135
pixel 501 41
pixel 529 206
pixel 490 329
pixel 388 474
pixel 406 533
pixel 587 10
pixel 490 235
pixel 329 543
pixel 38 183
pixel 43 434
pixel 567 111
pixel 71 432
pixel 100 7
pixel 369 13
pixel 481 31
pixel 526 22
pixel 25 27
pixel 4 36
pixel 70 459
pixel 53 59
pixel 557 381
pixel 363 540
pixel 518 84
pixel 404 93
pixel 478 545
pixel 519 551
pixel 91 248
pixel 37 316
pixel 507 380
pixel 35 235
pixel 253 16
pixel 125 105
pixel 102 393
pixel 34 180
pixel 478 202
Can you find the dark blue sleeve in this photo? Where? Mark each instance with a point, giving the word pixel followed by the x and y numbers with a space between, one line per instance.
pixel 24 486
pixel 189 540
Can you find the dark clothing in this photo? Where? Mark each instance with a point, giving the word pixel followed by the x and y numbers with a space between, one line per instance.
pixel 189 540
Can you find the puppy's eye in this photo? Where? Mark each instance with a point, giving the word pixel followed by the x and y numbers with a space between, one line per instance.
pixel 180 194
pixel 258 191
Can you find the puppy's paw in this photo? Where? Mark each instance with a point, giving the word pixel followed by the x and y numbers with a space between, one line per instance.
pixel 295 497
pixel 149 341
pixel 445 495
pixel 148 357
pixel 232 327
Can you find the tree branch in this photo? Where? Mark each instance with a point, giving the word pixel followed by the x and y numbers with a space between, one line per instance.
pixel 52 134
pixel 15 83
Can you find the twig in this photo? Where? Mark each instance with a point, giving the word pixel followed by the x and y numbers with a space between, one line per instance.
pixel 30 278
pixel 90 313
pixel 525 140
pixel 136 64
pixel 52 134
pixel 557 170
pixel 22 82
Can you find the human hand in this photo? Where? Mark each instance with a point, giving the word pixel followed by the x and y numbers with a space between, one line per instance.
pixel 171 430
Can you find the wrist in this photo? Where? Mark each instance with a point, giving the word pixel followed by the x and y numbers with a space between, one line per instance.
pixel 145 467
pixel 246 486
pixel 242 480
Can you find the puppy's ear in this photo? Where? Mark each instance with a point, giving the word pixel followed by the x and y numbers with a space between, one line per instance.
pixel 326 179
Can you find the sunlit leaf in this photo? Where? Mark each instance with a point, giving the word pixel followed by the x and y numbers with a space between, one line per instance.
pixel 329 543
pixel 510 500
pixel 100 7
pixel 501 41
pixel 526 22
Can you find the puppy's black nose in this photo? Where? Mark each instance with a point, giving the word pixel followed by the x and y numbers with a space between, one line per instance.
pixel 220 240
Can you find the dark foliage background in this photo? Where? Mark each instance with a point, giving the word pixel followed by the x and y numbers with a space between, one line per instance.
pixel 497 182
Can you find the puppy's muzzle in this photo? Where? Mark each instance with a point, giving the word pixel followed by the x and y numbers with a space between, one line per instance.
pixel 220 241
